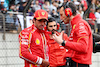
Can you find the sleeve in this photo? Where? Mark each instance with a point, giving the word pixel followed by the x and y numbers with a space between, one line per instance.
pixel 65 37
pixel 24 51
pixel 97 15
pixel 81 40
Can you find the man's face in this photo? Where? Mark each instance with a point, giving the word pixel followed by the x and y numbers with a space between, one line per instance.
pixel 40 23
pixel 65 1
pixel 52 26
pixel 37 2
pixel 63 17
pixel 2 3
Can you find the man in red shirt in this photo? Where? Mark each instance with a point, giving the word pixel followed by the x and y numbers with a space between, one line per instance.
pixel 33 45
pixel 80 41
pixel 92 17
pixel 57 53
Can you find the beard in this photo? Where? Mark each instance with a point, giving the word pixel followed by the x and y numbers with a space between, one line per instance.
pixel 53 31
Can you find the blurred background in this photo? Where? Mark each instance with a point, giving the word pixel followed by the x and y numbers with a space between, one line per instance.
pixel 15 15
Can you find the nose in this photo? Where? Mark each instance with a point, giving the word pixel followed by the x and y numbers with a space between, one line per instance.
pixel 43 23
pixel 53 27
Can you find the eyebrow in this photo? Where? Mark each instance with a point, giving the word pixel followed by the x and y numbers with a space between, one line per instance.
pixel 52 25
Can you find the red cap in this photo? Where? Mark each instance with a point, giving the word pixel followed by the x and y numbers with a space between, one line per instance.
pixel 41 14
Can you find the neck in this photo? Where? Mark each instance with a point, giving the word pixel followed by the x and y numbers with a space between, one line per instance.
pixel 72 17
pixel 50 36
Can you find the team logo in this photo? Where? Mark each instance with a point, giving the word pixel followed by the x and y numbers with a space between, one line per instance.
pixel 67 11
pixel 37 41
pixel 43 13
pixel 74 26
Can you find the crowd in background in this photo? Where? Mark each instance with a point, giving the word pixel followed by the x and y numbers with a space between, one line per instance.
pixel 52 7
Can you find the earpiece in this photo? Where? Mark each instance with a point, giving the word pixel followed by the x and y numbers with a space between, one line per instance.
pixel 58 26
pixel 68 10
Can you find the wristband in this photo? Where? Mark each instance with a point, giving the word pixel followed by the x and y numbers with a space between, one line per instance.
pixel 39 60
pixel 63 43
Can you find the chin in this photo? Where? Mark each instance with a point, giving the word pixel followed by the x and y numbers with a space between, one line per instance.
pixel 41 28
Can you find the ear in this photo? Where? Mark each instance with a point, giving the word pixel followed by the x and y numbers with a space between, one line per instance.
pixel 68 12
pixel 33 20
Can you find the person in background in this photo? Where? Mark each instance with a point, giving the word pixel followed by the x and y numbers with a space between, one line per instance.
pixel 97 15
pixel 46 6
pixel 30 12
pixel 12 7
pixel 57 52
pixel 10 25
pixel 53 7
pixel 97 3
pixel 22 6
pixel 54 14
pixel 17 7
pixel 2 8
pixel 80 11
pixel 80 40
pixel 33 47
pixel 92 18
pixel 85 5
pixel 36 6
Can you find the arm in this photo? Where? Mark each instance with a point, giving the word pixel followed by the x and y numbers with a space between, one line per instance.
pixel 65 37
pixel 24 51
pixel 81 40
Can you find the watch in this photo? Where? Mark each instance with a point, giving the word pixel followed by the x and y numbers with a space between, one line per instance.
pixel 63 43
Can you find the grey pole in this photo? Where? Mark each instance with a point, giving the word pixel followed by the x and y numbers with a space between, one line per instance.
pixel 3 26
pixel 24 12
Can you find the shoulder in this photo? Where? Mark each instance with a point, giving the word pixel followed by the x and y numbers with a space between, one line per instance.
pixel 81 25
pixel 81 22
pixel 26 30
pixel 82 28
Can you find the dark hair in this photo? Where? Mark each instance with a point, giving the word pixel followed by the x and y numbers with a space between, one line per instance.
pixel 97 8
pixel 50 19
pixel 35 19
pixel 70 5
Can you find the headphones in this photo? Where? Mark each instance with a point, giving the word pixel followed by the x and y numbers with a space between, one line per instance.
pixel 58 26
pixel 68 10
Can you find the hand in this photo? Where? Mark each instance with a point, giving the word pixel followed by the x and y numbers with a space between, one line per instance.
pixel 98 42
pixel 58 39
pixel 45 63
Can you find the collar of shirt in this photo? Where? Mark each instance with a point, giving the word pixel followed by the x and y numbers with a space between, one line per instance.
pixel 75 19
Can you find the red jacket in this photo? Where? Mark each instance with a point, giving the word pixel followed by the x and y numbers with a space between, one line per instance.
pixel 92 17
pixel 56 52
pixel 80 41
pixel 33 46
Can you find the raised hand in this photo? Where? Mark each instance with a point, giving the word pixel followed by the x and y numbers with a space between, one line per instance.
pixel 58 39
